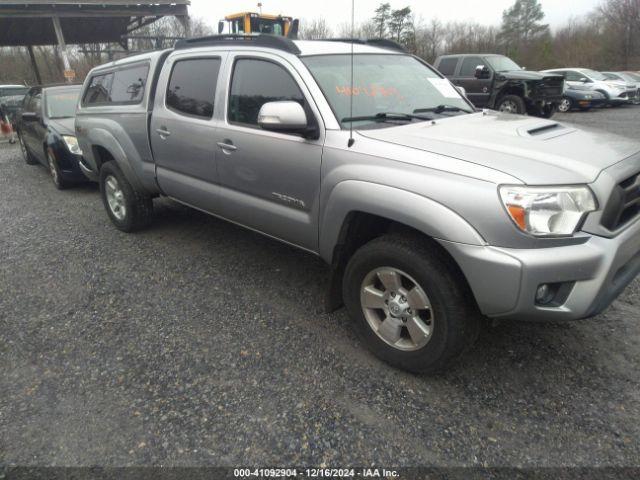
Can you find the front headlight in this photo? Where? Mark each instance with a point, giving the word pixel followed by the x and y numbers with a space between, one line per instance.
pixel 72 144
pixel 547 211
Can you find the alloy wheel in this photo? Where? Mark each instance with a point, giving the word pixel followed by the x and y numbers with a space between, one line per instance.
pixel 564 105
pixel 397 308
pixel 508 107
pixel 115 198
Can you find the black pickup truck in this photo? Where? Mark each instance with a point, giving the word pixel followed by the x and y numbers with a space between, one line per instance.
pixel 497 82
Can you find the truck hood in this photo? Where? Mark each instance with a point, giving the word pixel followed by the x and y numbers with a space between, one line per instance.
pixel 534 150
pixel 527 75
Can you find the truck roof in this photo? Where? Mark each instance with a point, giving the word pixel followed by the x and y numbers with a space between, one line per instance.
pixel 298 47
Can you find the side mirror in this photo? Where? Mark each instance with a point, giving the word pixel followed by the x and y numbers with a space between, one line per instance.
pixel 461 90
pixel 584 79
pixel 220 26
pixel 283 116
pixel 482 72
pixel 30 116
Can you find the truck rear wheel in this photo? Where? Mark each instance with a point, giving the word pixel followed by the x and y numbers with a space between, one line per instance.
pixel 128 209
pixel 412 306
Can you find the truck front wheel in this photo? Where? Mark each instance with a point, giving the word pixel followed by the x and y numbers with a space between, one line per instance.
pixel 512 104
pixel 412 306
pixel 128 209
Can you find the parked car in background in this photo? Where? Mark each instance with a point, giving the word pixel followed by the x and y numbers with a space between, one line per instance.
pixel 579 97
pixel 429 213
pixel 11 97
pixel 497 82
pixel 627 77
pixel 615 92
pixel 46 132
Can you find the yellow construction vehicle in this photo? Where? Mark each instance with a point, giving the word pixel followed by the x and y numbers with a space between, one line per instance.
pixel 248 23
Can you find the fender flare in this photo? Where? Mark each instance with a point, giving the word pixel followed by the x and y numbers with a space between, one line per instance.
pixel 416 211
pixel 100 137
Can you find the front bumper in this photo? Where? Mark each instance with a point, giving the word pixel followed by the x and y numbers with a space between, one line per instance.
pixel 623 98
pixel 504 281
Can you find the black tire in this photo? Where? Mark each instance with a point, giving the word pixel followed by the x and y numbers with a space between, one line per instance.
pixel 56 173
pixel 456 319
pixel 138 211
pixel 517 104
pixel 543 112
pixel 28 158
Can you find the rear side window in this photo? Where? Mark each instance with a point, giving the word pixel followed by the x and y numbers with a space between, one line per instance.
pixel 256 82
pixel 128 84
pixel 447 66
pixel 573 76
pixel 123 86
pixel 99 91
pixel 192 86
pixel 469 64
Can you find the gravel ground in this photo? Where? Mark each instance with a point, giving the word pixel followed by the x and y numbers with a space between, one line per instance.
pixel 199 343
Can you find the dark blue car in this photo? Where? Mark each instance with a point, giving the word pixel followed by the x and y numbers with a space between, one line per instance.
pixel 46 132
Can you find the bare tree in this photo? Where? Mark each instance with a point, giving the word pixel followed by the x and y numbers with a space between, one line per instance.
pixel 622 26
pixel 314 29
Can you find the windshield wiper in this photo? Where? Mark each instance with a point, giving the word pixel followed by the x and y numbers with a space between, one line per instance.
pixel 442 108
pixel 385 116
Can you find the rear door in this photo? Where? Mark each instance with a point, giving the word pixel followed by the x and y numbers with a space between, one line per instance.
pixel 478 90
pixel 183 128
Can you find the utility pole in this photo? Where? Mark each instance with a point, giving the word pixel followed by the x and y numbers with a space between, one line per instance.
pixel 260 7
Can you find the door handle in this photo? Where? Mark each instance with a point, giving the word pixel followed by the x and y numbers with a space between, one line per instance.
pixel 227 146
pixel 163 132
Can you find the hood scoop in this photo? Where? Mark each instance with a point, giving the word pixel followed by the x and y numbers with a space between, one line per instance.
pixel 545 131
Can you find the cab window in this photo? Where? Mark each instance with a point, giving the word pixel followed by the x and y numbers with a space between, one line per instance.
pixel 192 86
pixel 256 82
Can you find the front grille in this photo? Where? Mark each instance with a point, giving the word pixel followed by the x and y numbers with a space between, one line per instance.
pixel 624 204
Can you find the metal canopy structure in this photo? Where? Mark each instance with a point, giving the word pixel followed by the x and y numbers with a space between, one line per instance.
pixel 40 22
pixel 28 22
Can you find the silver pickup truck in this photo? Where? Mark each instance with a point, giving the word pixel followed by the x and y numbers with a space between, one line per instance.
pixel 431 214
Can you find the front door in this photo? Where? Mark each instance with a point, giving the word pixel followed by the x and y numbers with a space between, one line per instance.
pixel 269 181
pixel 478 90
pixel 183 129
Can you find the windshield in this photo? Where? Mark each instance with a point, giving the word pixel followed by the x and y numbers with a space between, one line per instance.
pixel 12 96
pixel 592 74
pixel 62 103
pixel 502 64
pixel 382 83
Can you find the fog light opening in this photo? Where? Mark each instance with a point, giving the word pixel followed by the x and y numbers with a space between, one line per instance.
pixel 546 293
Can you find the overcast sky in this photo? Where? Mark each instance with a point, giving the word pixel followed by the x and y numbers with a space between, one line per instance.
pixel 338 11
